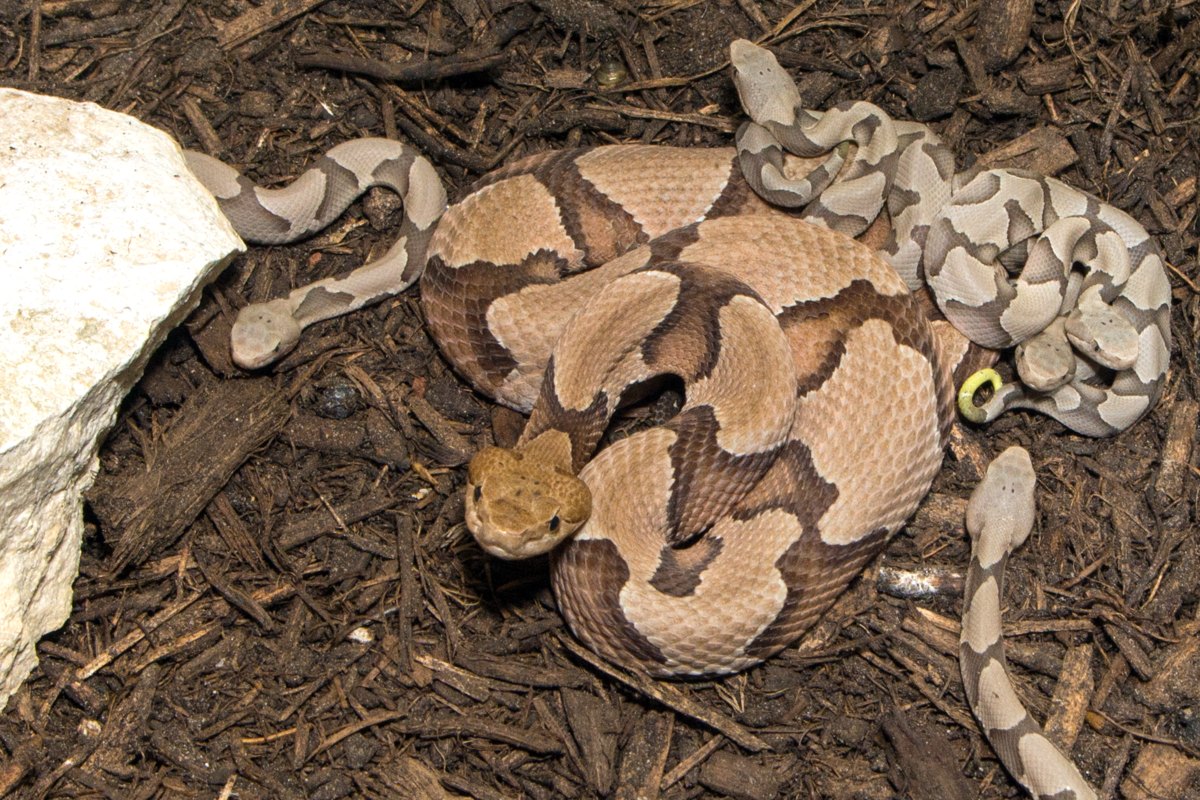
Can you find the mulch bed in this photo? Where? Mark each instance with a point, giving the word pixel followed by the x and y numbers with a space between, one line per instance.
pixel 278 597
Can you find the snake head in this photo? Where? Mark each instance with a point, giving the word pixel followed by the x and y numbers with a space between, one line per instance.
pixel 1003 504
pixel 767 92
pixel 518 507
pixel 262 333
pixel 1104 335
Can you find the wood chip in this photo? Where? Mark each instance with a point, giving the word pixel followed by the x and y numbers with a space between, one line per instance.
pixel 1042 150
pixel 671 697
pixel 455 449
pixel 411 779
pixel 1161 772
pixel 303 528
pixel 1002 32
pixel 519 671
pixel 1183 191
pixel 148 508
pixel 210 141
pixel 1072 695
pixel 1048 77
pixel 595 723
pixel 925 758
pixel 1133 652
pixel 125 726
pixel 739 776
pixel 941 637
pixel 443 727
pixel 689 763
pixel 412 72
pixel 644 757
pixel 261 19
pixel 332 436
pixel 1169 498
pixel 939 515
pixel 1177 682
pixel 464 681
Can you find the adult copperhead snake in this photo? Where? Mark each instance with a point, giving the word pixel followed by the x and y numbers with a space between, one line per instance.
pixel 819 392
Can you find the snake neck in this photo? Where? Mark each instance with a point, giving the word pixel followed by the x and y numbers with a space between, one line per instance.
pixel 552 448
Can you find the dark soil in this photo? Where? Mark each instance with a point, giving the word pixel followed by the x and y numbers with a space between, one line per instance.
pixel 278 597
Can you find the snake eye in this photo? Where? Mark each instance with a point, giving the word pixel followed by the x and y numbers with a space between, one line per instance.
pixel 554 523
pixel 478 493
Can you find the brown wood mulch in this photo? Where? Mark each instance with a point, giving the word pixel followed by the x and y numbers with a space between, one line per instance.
pixel 277 595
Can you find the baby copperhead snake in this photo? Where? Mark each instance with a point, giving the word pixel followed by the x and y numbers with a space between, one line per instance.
pixel 958 232
pixel 1000 516
pixel 819 392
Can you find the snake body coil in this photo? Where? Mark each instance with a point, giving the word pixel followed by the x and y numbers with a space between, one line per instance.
pixel 819 385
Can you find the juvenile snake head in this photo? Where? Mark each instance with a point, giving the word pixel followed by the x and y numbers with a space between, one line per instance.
pixel 767 92
pixel 519 506
pixel 262 333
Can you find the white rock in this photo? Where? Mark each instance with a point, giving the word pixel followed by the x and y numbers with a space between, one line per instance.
pixel 105 243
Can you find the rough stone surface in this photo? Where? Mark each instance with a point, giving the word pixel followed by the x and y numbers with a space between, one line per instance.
pixel 105 243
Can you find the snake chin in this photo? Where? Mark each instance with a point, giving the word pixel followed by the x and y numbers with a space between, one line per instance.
pixel 518 507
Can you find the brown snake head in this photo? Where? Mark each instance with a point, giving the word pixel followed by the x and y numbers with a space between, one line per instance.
pixel 520 506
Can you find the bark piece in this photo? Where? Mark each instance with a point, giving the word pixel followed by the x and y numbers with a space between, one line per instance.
pixel 740 777
pixel 1177 682
pixel 1048 77
pixel 937 94
pixel 409 778
pixel 262 19
pixel 1072 695
pixel 1161 772
pixel 1003 32
pixel 1170 499
pixel 125 726
pixel 594 723
pixel 924 758
pixel 644 757
pixel 1041 150
pixel 146 509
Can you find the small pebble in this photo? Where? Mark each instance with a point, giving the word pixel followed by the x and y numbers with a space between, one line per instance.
pixel 610 73
pixel 339 400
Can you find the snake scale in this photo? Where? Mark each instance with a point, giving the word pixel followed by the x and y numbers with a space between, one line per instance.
pixel 819 380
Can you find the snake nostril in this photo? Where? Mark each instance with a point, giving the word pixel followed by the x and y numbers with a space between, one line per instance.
pixel 477 494
pixel 554 523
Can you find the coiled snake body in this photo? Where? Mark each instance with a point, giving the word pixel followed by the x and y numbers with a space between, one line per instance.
pixel 819 393
pixel 803 355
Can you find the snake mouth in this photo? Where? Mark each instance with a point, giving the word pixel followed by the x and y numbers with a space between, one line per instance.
pixel 506 554
pixel 512 544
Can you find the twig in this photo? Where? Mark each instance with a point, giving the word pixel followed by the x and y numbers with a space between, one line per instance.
pixel 688 764
pixel 670 697
pixel 751 10
pixel 35 39
pixel 637 112
pixel 433 69
pixel 435 728
pixel 262 19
